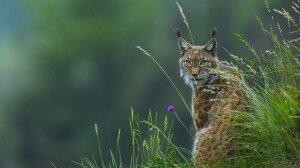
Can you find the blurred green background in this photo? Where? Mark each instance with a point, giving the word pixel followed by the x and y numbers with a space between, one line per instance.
pixel 65 65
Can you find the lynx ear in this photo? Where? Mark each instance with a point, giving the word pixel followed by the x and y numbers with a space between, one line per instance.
pixel 211 47
pixel 183 45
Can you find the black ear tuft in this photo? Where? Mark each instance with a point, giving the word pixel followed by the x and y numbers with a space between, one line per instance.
pixel 213 32
pixel 178 32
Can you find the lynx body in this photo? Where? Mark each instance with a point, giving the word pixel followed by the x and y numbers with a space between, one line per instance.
pixel 217 95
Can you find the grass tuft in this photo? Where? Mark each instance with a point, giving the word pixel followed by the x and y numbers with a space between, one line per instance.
pixel 151 143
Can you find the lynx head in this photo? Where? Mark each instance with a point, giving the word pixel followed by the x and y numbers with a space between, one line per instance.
pixel 196 62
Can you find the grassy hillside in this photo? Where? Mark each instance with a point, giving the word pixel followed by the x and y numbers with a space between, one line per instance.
pixel 268 136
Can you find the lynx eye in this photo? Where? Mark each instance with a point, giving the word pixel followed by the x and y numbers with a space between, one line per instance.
pixel 205 63
pixel 188 62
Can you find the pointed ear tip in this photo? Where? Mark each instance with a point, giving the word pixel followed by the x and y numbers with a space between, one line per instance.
pixel 214 32
pixel 182 40
pixel 212 40
pixel 212 43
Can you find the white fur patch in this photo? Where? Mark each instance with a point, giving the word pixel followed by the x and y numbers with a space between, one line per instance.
pixel 185 78
pixel 209 46
pixel 200 136
pixel 203 130
pixel 185 46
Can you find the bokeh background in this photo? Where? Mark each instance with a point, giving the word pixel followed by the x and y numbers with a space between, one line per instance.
pixel 65 65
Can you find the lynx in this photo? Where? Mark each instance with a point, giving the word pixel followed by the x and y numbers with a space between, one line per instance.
pixel 217 95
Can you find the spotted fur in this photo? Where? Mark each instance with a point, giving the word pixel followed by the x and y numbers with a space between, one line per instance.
pixel 217 95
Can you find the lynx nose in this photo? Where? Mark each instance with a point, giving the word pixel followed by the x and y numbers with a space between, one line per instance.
pixel 194 71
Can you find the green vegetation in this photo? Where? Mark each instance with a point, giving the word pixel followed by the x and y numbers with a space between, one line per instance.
pixel 152 146
pixel 267 136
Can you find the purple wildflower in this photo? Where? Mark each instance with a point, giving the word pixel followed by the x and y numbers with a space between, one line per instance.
pixel 170 108
pixel 151 129
pixel 298 20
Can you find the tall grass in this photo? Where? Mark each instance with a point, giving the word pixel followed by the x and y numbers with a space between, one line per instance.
pixel 268 135
pixel 151 143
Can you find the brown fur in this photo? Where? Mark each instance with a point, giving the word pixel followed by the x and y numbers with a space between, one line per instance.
pixel 214 101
